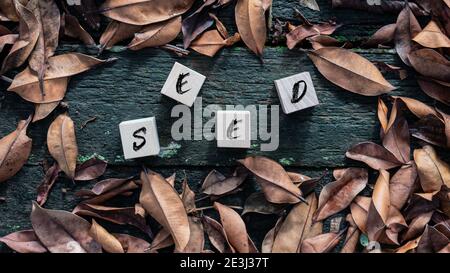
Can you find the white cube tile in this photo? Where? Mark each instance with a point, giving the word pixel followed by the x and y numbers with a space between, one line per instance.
pixel 233 129
pixel 296 92
pixel 183 84
pixel 139 138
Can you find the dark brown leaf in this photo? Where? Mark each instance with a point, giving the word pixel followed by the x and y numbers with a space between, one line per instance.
pixel 44 188
pixel 23 242
pixel 407 28
pixel 90 169
pixel 375 156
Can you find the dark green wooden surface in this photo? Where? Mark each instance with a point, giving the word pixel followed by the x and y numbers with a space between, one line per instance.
pixel 310 141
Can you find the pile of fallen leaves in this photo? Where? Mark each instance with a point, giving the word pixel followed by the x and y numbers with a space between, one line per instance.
pixel 408 206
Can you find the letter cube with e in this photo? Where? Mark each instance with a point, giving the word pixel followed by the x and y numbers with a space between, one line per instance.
pixel 139 138
pixel 183 84
pixel 296 92
pixel 233 129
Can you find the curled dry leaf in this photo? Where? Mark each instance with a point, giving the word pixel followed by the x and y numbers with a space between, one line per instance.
pixel 418 108
pixel 433 172
pixel 90 169
pixel 131 244
pixel 8 39
pixel 394 225
pixel 124 186
pixel 108 242
pixel 28 36
pixel 62 144
pixel 396 138
pixel 417 226
pixel 104 186
pixel 352 237
pixel 73 29
pixel 378 214
pixel 15 149
pixel 42 110
pixel 257 203
pixel 275 182
pixel 382 112
pixel 163 203
pixel 407 28
pixel 234 228
pixel 23 242
pixel 375 156
pixel 120 216
pixel 144 12
pixel 359 210
pixel 197 240
pixel 44 188
pixel 322 243
pixel 162 240
pixel 433 241
pixel 197 22
pixel 116 32
pixel 157 34
pixel 297 227
pixel 251 23
pixel 217 184
pixel 26 83
pixel 438 90
pixel 268 240
pixel 300 33
pixel 62 232
pixel 49 22
pixel 431 129
pixel 320 41
pixel 210 42
pixel 402 185
pixel 338 195
pixel 217 235
pixel 384 35
pixel 350 71
pixel 8 9
pixel 430 63
pixel 409 246
pixel 188 198
pixel 432 37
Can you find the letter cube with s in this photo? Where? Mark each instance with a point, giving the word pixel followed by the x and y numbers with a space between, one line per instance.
pixel 183 84
pixel 139 138
pixel 296 92
pixel 233 129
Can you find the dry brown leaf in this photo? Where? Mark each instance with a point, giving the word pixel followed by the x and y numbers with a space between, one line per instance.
pixel 73 29
pixel 300 33
pixel 257 203
pixel 407 28
pixel 108 242
pixel 275 182
pixel 7 39
pixel 8 9
pixel 217 184
pixel 433 241
pixel 396 138
pixel 382 113
pixel 417 226
pixel 144 12
pixel 430 63
pixel 42 110
pixel 15 149
pixel 438 90
pixel 433 172
pixel 90 169
pixel 251 23
pixel 188 198
pixel 352 237
pixel 375 156
pixel 418 108
pixel 297 227
pixel 359 210
pixel 384 35
pixel 125 186
pixel 234 228
pixel 409 246
pixel 402 185
pixel 23 242
pixel 62 232
pixel 322 243
pixel 131 244
pixel 217 235
pixel 163 203
pixel 320 41
pixel 378 214
pixel 49 22
pixel 116 32
pixel 210 42
pixel 28 36
pixel 43 190
pixel 338 195
pixel 157 34
pixel 269 238
pixel 62 144
pixel 26 83
pixel 162 240
pixel 197 240
pixel 350 71
pixel 432 36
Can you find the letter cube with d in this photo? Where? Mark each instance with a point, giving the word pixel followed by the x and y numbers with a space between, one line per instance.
pixel 183 84
pixel 296 92
pixel 139 138
pixel 233 129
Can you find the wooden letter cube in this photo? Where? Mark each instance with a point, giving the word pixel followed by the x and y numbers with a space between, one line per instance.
pixel 296 92
pixel 139 138
pixel 233 129
pixel 183 84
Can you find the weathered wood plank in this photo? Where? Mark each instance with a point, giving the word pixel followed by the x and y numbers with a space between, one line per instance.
pixel 130 89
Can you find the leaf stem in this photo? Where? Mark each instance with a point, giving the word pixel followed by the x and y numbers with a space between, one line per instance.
pixel 212 207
